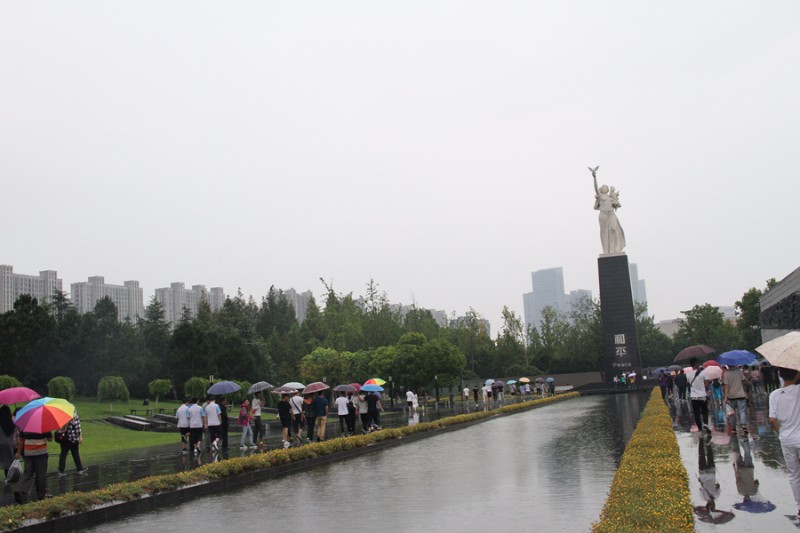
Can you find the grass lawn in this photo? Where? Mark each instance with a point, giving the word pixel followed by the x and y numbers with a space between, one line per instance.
pixel 100 437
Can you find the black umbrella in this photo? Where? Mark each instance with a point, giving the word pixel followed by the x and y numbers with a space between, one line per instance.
pixel 698 350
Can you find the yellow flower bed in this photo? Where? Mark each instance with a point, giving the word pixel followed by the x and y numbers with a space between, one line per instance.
pixel 650 491
pixel 14 516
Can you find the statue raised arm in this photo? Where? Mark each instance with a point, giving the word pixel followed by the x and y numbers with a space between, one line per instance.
pixel 612 237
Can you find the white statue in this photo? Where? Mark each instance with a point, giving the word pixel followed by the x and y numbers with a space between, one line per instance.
pixel 606 201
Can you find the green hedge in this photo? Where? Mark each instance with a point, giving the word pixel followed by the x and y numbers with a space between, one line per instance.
pixel 12 517
pixel 650 491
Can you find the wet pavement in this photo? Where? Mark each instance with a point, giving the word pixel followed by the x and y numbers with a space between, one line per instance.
pixel 742 475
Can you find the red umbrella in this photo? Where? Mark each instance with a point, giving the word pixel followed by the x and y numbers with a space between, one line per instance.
pixel 710 363
pixel 18 395
pixel 698 350
pixel 357 386
pixel 315 387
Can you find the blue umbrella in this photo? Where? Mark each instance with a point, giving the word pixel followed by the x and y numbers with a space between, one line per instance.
pixel 549 380
pixel 662 370
pixel 223 387
pixel 372 388
pixel 736 358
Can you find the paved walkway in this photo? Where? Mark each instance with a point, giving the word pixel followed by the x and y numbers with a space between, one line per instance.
pixel 753 492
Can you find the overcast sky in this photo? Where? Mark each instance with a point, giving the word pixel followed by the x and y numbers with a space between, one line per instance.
pixel 439 148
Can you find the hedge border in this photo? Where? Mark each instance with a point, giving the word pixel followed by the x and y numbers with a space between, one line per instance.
pixel 44 515
pixel 650 491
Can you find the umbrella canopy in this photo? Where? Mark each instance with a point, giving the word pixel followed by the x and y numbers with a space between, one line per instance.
pixel 524 380
pixel 539 380
pixel 499 384
pixel 18 395
pixel 736 358
pixel 659 371
pixel 712 372
pixel 223 387
pixel 342 388
pixel 549 380
pixel 283 389
pixel 511 381
pixel 375 381
pixel 674 368
pixel 44 414
pixel 259 387
pixel 710 363
pixel 356 386
pixel 698 350
pixel 371 387
pixel 783 351
pixel 315 387
pixel 294 385
pixel 488 382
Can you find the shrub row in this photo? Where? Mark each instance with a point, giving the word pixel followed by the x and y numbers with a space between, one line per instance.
pixel 650 491
pixel 12 517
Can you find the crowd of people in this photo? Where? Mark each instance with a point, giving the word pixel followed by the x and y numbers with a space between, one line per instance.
pixel 30 449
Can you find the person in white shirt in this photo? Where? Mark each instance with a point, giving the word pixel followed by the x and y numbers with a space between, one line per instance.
pixel 410 401
pixel 784 417
pixel 197 423
pixel 183 424
pixel 342 411
pixel 296 404
pixel 214 423
pixel 698 395
pixel 465 392
pixel 258 427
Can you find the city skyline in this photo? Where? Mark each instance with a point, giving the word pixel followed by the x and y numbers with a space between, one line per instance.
pixel 441 151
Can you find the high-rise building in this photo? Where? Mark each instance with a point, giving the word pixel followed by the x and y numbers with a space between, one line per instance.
pixel 175 298
pixel 638 289
pixel 12 286
pixel 548 291
pixel 299 301
pixel 129 298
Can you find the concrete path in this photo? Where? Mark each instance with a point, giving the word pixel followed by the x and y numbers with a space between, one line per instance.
pixel 753 492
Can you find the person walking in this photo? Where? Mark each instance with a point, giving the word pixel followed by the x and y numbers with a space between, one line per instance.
pixel 258 427
pixel 341 410
pixel 7 445
pixel 784 417
pixel 197 424
pixel 310 416
pixel 734 395
pixel 351 414
pixel 363 411
pixel 410 401
pixel 475 391
pixel 244 423
pixel 225 423
pixel 298 418
pixel 70 437
pixel 33 450
pixel 374 408
pixel 182 420
pixel 698 395
pixel 321 412
pixel 214 424
pixel 285 416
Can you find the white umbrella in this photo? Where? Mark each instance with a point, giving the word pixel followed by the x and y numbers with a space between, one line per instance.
pixel 258 387
pixel 783 351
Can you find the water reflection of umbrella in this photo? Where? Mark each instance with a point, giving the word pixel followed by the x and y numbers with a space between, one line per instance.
pixel 754 506
pixel 44 414
pixel 223 387
pixel 283 389
pixel 736 358
pixel 18 395
pixel 259 387
pixel 488 382
pixel 315 387
pixel 524 380
pixel 342 388
pixel 294 385
pixel 783 351
pixel 698 350
pixel 375 381
pixel 371 387
pixel 712 516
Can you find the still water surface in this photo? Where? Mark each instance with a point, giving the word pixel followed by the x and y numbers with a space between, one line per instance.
pixel 549 467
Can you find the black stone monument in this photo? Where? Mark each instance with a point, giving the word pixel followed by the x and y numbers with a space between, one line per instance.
pixel 620 344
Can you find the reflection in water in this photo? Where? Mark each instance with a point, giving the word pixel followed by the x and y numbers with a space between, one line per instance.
pixel 546 467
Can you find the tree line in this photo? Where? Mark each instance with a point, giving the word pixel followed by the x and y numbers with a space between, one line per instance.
pixel 345 339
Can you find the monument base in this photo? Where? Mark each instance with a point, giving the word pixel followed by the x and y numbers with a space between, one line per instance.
pixel 617 315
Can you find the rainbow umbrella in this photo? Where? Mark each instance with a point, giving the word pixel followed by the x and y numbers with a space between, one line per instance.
pixel 375 381
pixel 45 414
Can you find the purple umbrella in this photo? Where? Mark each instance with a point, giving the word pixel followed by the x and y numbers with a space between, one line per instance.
pixel 698 350
pixel 315 387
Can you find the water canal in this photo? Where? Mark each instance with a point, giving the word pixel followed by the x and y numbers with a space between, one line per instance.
pixel 549 467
